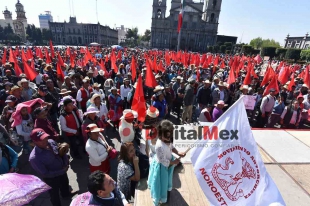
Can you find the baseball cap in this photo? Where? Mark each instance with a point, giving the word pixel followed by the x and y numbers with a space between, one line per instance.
pixel 38 135
pixel 43 88
pixel 10 98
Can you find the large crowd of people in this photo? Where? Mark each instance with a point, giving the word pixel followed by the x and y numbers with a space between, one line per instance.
pixel 53 99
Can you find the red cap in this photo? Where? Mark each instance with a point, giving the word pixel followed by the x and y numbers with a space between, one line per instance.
pixel 38 135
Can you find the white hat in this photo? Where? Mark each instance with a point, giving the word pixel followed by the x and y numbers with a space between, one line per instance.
pixel 94 128
pixel 304 85
pixel 22 81
pixel 94 97
pixel 135 114
pixel 101 72
pixel 91 110
pixel 158 88
pixel 152 112
pixel 244 87
pixel 221 102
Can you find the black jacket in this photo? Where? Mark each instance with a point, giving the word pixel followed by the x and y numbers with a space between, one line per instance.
pixel 204 96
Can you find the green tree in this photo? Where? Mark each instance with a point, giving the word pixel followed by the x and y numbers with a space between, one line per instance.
pixel 280 52
pixel 146 36
pixel 223 49
pixel 8 29
pixel 246 49
pixel 268 51
pixel 305 55
pixel 257 42
pixel 132 37
pixel 46 34
pixel 39 35
pixel 293 54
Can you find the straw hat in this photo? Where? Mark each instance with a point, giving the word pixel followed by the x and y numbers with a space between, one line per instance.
pixel 158 88
pixel 19 83
pixel 304 85
pixel 96 85
pixel 47 66
pixel 207 82
pixel 64 91
pixel 113 88
pixel 221 84
pixel 221 102
pixel 244 87
pixel 93 128
pixel 94 97
pixel 14 88
pixel 152 112
pixel 157 76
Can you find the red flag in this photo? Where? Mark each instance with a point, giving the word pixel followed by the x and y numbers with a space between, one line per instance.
pixel 52 49
pixel 307 77
pixel 68 52
pixel 272 85
pixel 32 64
pixel 155 65
pixel 161 66
pixel 106 58
pixel 11 57
pixel 29 54
pixel 4 57
pixel 113 62
pixel 72 64
pixel 291 84
pixel 31 74
pixel 138 102
pixel 167 59
pixel 223 65
pixel 106 73
pixel 205 64
pixel 47 56
pixel 216 61
pixel 119 55
pixel 268 75
pixel 247 80
pixel 24 58
pixel 39 53
pixel 284 75
pixel 150 80
pixel 231 78
pixel 60 73
pixel 133 68
pixel 60 61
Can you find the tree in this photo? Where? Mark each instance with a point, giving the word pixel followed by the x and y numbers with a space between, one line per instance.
pixel 146 36
pixel 268 51
pixel 46 34
pixel 293 54
pixel 246 49
pixel 8 29
pixel 305 55
pixel 257 42
pixel 223 49
pixel 132 37
pixel 280 52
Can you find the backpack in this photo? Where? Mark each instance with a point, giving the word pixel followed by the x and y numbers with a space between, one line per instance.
pixel 6 153
pixel 258 104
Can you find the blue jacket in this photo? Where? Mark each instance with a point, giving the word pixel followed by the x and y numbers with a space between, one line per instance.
pixel 4 166
pixel 278 108
pixel 161 106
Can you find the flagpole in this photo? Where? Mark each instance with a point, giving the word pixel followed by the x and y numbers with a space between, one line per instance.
pixel 179 39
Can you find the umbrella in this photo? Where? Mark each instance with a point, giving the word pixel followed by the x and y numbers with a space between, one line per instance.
pixel 81 200
pixel 118 47
pixel 94 44
pixel 18 189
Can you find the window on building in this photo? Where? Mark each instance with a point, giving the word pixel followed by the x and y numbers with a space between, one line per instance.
pixel 69 31
pixel 176 16
pixel 175 24
pixel 212 18
pixel 184 25
pixel 195 18
pixel 73 31
pixel 194 24
pixel 159 13
pixel 214 3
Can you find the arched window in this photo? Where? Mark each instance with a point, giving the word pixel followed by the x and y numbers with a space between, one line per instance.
pixel 214 3
pixel 159 13
pixel 212 18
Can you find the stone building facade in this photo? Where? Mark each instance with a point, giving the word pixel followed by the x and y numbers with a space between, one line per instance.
pixel 19 25
pixel 302 42
pixel 200 24
pixel 73 33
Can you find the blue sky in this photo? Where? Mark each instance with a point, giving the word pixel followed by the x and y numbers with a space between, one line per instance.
pixel 243 18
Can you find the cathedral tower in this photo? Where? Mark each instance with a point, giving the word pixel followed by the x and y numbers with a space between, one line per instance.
pixel 159 9
pixel 7 14
pixel 211 11
pixel 20 12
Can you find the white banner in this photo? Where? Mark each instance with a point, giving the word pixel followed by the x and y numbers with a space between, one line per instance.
pixel 235 175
